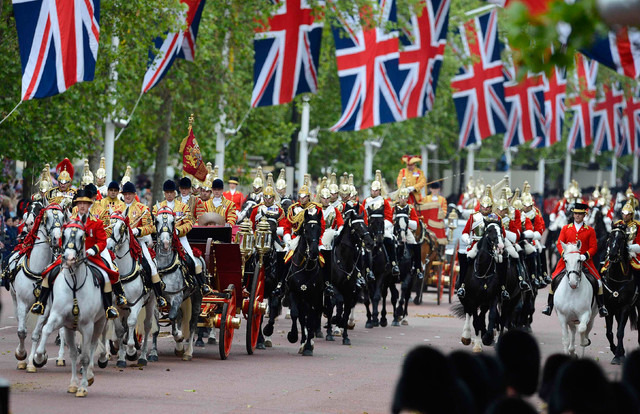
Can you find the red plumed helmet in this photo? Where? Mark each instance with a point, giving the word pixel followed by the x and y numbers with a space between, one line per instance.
pixel 65 171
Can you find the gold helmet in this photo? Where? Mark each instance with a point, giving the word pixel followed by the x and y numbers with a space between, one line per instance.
pixel 269 190
pixel 305 189
pixel 352 188
pixel 502 202
pixel 629 192
pixel 470 187
pixel 207 183
pixel 46 183
pixel 323 184
pixel 596 193
pixel 605 192
pixel 629 206
pixel 487 197
pixel 333 184
pixel 197 184
pixel 376 184
pixel 87 175
pixel 345 190
pixel 102 171
pixel 515 201
pixel 527 200
pixel 258 182
pixel 65 171
pixel 403 191
pixel 281 182
pixel 127 176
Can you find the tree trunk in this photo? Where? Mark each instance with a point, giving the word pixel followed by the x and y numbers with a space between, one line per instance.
pixel 162 153
pixel 28 178
pixel 97 142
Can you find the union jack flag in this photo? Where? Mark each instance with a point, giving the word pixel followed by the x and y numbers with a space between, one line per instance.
pixel 58 42
pixel 422 56
pixel 286 55
pixel 370 79
pixel 630 125
pixel 619 51
pixel 174 45
pixel 526 117
pixel 582 103
pixel 478 87
pixel 607 117
pixel 555 91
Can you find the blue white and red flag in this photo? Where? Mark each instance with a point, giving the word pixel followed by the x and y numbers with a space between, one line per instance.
pixel 526 115
pixel 607 119
pixel 582 102
pixel 58 42
pixel 619 51
pixel 555 92
pixel 630 125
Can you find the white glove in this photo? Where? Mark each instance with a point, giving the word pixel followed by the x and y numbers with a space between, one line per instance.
pixel 136 232
pixel 511 236
pixel 632 255
pixel 413 225
pixel 287 238
pixel 537 235
pixel 583 258
pixel 91 252
pixel 465 238
pixel 280 231
pixel 634 248
pixel 411 189
pixel 528 234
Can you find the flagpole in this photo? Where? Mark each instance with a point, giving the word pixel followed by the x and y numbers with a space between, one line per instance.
pixel 470 161
pixel 541 176
pixel 303 141
pixel 614 168
pixel 635 169
pixel 109 125
pixel 221 137
pixel 567 169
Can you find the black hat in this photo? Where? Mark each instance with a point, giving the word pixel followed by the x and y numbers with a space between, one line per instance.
pixel 128 187
pixel 549 372
pixel 217 184
pixel 580 208
pixel 435 185
pixel 521 373
pixel 91 190
pixel 169 185
pixel 113 185
pixel 233 180
pixel 82 195
pixel 568 391
pixel 185 182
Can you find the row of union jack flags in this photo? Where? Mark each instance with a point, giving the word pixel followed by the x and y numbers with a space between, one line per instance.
pixel 490 100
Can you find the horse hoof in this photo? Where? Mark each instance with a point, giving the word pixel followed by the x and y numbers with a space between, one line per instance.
pixel 292 337
pixel 368 325
pixel 121 364
pixel 103 364
pixel 91 380
pixel 31 369
pixel 113 348
pixel 383 323
pixel 22 365
pixel 81 393
pixel 417 300
pixel 376 322
pixel 152 358
pixel 178 353
pixel 142 362
pixel 21 357
pixel 212 341
pixel 61 363
pixel 39 364
pixel 186 357
pixel 307 352
pixel 395 323
pixel 199 343
pixel 487 340
pixel 465 341
pixel 132 357
pixel 615 361
pixel 329 338
pixel 261 345
pixel 319 334
pixel 346 341
pixel 72 389
pixel 267 330
pixel 477 349
pixel 351 325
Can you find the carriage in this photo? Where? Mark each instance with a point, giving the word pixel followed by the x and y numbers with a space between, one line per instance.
pixel 225 255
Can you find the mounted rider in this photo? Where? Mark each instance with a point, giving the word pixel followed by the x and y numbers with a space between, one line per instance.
pixel 219 204
pixel 101 178
pixel 332 217
pixel 533 236
pixel 334 190
pixel 405 216
pixel 111 202
pixel 255 197
pixel 183 224
pixel 63 194
pixel 195 205
pixel 474 231
pixel 142 227
pixel 270 210
pixel 95 243
pixel 585 235
pixel 416 180
pixel 631 227
pixel 379 207
pixel 295 217
pixel 44 186
pixel 282 198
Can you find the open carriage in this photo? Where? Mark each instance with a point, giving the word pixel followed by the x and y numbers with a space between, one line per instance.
pixel 234 292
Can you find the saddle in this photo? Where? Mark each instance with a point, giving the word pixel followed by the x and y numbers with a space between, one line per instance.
pixel 591 278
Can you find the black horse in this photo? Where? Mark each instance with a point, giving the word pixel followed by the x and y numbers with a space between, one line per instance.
pixel 602 235
pixel 344 269
pixel 304 282
pixel 619 290
pixel 411 271
pixel 382 280
pixel 482 286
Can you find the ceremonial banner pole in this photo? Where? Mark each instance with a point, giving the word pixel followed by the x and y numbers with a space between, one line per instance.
pixel 470 161
pixel 303 140
pixel 614 168
pixel 109 125
pixel 567 169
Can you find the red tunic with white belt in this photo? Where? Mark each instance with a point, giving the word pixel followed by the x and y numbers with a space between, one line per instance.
pixel 588 246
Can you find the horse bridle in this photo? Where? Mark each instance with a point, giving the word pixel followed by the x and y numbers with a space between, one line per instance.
pixel 163 215
pixel 123 229
pixel 492 263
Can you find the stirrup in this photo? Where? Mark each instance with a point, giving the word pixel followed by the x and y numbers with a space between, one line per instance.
pixel 460 292
pixel 395 270
pixel 111 312
pixel 121 300
pixel 524 286
pixel 505 295
pixel 602 311
pixel 206 289
pixel 37 308
pixel 547 311
pixel 161 301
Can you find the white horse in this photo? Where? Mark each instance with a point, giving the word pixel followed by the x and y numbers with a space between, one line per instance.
pixel 28 269
pixel 138 297
pixel 77 305
pixel 180 295
pixel 574 302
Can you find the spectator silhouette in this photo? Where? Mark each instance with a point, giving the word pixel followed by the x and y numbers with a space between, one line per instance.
pixel 472 371
pixel 549 373
pixel 581 388
pixel 510 405
pixel 520 356
pixel 625 398
pixel 631 370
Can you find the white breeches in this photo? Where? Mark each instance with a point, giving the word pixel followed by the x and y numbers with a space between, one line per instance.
pixel 408 237
pixel 187 248
pixel 107 257
pixel 145 252
pixel 388 230
pixel 508 246
pixel 327 239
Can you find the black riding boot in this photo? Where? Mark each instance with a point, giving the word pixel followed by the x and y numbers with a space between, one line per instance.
pixel 503 283
pixel 121 299
pixel 463 262
pixel 41 303
pixel 160 300
pixel 109 309
pixel 202 281
pixel 522 276
pixel 417 260
pixel 602 310
pixel 392 255
pixel 547 311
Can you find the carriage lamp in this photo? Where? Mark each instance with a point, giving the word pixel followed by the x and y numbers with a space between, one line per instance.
pixel 246 240
pixel 452 223
pixel 263 238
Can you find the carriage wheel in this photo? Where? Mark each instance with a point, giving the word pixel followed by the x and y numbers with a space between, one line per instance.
pixel 453 274
pixel 254 316
pixel 439 284
pixel 226 329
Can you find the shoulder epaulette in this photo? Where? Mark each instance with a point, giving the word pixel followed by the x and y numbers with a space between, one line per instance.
pixel 569 225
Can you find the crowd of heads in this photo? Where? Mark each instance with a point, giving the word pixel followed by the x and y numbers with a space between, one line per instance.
pixel 512 381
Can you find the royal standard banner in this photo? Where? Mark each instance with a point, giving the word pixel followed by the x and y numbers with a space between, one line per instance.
pixel 192 163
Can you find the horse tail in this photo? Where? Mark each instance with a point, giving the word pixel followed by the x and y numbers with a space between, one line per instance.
pixel 458 311
pixel 633 317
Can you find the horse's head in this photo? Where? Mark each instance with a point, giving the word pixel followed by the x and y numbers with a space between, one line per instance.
pixel 53 220
pixel 573 264
pixel 120 232
pixel 72 242
pixel 165 224
pixel 359 231
pixel 376 227
pixel 617 249
pixel 311 231
pixel 492 241
pixel 33 210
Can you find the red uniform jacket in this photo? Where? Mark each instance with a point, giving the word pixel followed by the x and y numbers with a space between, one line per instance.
pixel 361 210
pixel 588 247
pixel 237 198
pixel 282 220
